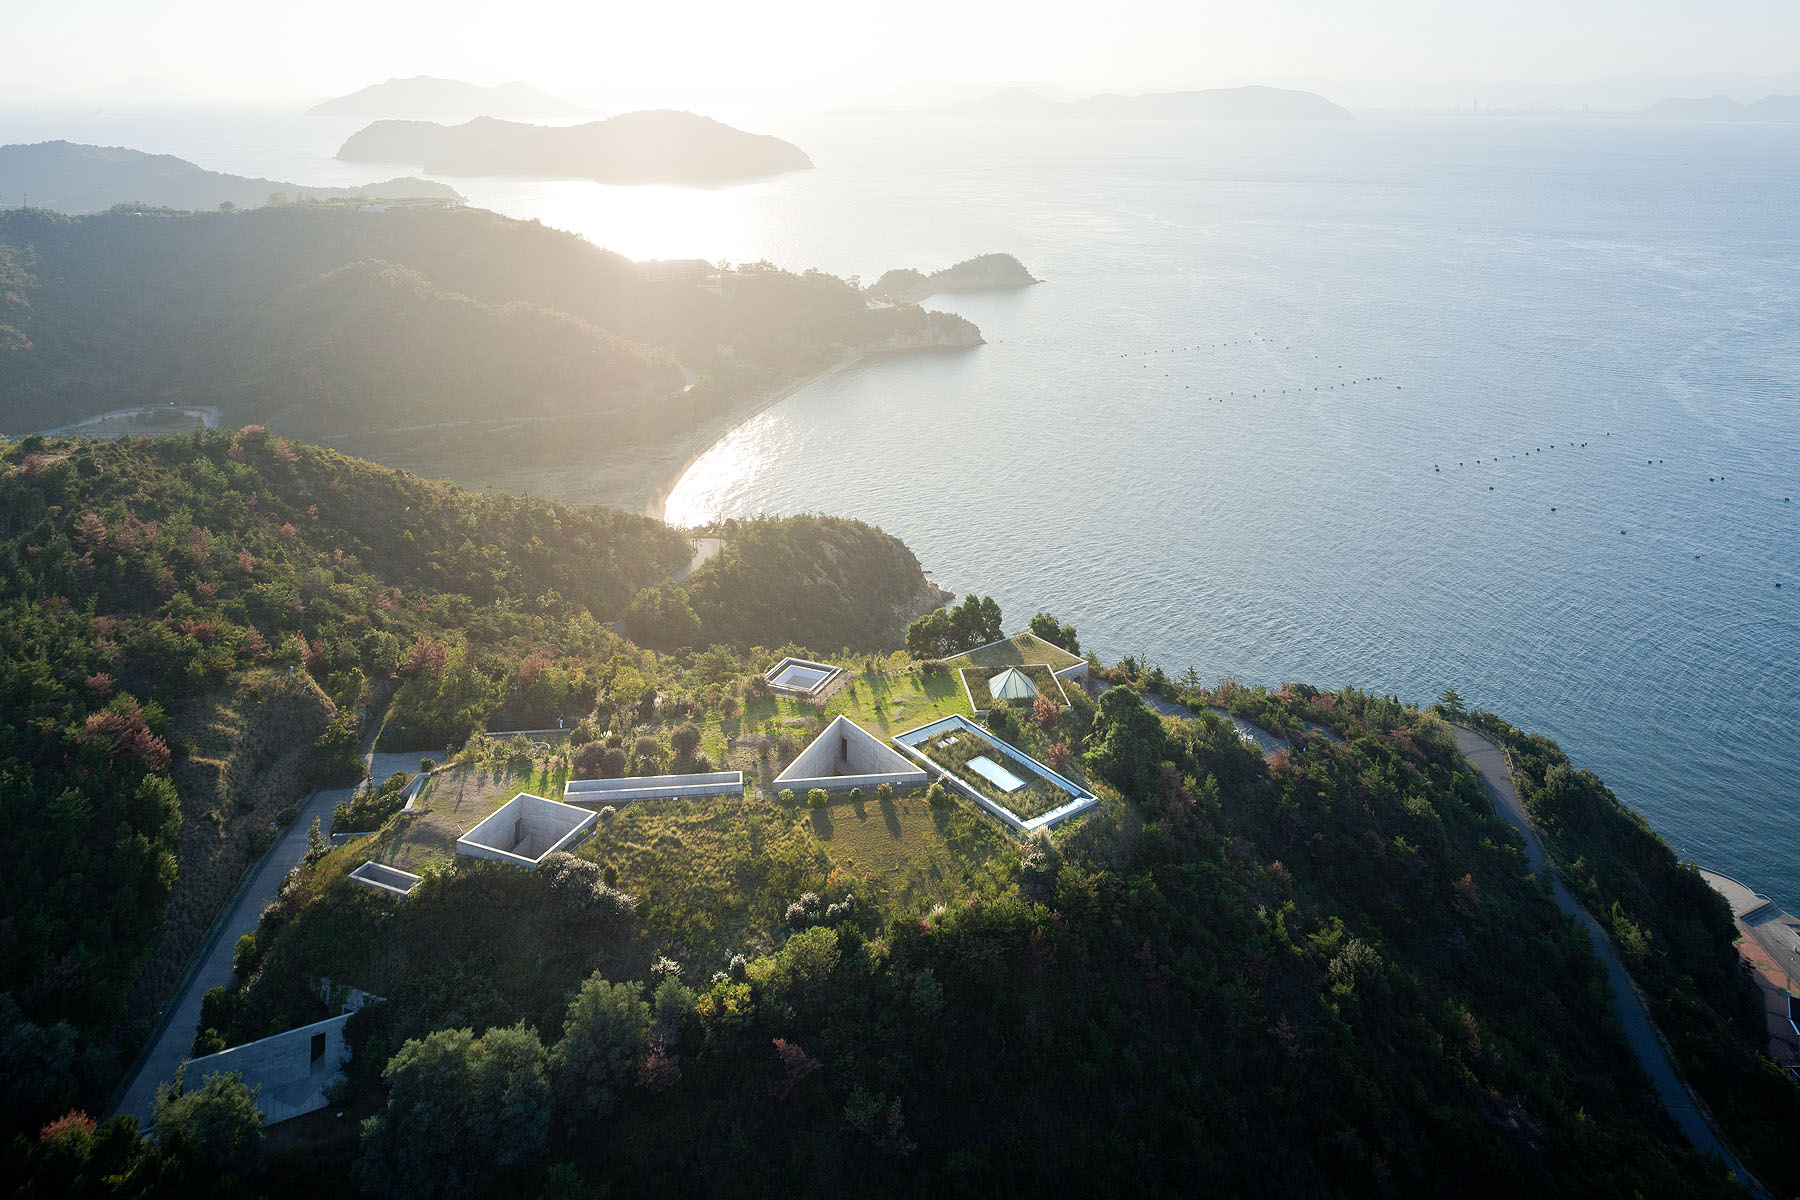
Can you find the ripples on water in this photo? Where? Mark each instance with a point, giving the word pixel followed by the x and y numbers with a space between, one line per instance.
pixel 1211 437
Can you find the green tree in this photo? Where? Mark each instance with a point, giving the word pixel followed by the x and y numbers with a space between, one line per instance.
pixel 461 1110
pixel 1450 703
pixel 218 1128
pixel 1128 743
pixel 606 1026
pixel 1055 632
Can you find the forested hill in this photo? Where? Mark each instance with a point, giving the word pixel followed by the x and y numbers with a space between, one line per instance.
pixel 322 321
pixel 134 575
pixel 808 580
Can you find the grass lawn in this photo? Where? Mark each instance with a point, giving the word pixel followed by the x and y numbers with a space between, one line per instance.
pixel 912 855
pixel 976 680
pixel 715 876
pixel 890 702
pixel 1021 649
pixel 450 804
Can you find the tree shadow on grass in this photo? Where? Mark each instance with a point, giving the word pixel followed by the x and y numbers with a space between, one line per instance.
pixel 822 825
pixel 891 816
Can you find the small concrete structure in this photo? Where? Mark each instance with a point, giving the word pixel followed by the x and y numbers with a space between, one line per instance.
pixel 384 878
pixel 1080 799
pixel 846 755
pixel 525 829
pixel 1012 684
pixel 801 677
pixel 293 1069
pixel 599 792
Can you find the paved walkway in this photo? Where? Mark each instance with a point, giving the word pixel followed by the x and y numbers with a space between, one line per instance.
pixel 1634 1017
pixel 176 1037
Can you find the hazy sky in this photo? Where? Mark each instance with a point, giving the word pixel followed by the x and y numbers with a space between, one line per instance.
pixel 212 48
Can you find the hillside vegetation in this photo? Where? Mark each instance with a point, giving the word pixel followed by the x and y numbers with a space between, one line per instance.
pixel 1330 974
pixel 137 575
pixel 318 320
pixel 816 581
pixel 73 178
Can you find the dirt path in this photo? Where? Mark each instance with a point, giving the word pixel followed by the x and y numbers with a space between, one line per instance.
pixel 1634 1016
pixel 704 549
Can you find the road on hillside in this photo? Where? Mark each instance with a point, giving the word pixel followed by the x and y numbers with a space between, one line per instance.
pixel 176 1036
pixel 1634 1017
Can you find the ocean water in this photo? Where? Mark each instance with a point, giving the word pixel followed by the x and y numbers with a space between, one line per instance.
pixel 1500 404
pixel 1508 406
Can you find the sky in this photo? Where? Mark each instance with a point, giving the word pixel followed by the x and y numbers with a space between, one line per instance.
pixel 216 50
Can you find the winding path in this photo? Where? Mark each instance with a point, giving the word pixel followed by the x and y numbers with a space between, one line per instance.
pixel 175 1036
pixel 1634 1015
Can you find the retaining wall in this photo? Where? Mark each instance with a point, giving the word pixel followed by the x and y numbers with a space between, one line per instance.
pixel 588 792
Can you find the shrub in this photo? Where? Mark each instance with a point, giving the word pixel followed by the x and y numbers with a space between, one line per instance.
pixel 427 765
pixel 884 791
pixel 604 1030
pixel 937 793
pixel 686 738
pixel 245 956
pixel 218 1126
pixel 580 889
pixel 785 795
pixel 805 911
pixel 817 798
pixel 856 793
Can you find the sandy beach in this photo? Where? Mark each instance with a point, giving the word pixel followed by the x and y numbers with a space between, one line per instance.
pixel 691 448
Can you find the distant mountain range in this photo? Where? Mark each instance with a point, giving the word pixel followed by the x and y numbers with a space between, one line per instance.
pixel 1724 108
pixel 73 178
pixel 1215 104
pixel 427 98
pixel 659 146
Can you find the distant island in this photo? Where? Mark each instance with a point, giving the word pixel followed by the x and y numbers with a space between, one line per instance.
pixel 1214 104
pixel 427 98
pixel 1724 108
pixel 983 273
pixel 73 178
pixel 660 146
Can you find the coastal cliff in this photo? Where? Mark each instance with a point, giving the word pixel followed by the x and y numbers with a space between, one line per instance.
pixel 983 273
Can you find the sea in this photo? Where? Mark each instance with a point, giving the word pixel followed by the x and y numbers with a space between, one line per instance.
pixel 1499 404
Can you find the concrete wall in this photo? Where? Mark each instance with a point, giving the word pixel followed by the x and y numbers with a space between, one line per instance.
pixel 293 1082
pixel 832 674
pixel 383 878
pixel 1080 799
pixel 844 756
pixel 652 787
pixel 525 829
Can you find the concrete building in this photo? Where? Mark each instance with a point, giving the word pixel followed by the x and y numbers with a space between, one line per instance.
pixel 595 793
pixel 383 878
pixel 846 755
pixel 525 829
pixel 802 677
pixel 292 1069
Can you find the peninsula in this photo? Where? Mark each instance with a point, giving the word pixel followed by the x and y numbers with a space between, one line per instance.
pixel 659 146
pixel 986 272
pixel 1213 104
pixel 428 98
pixel 70 177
